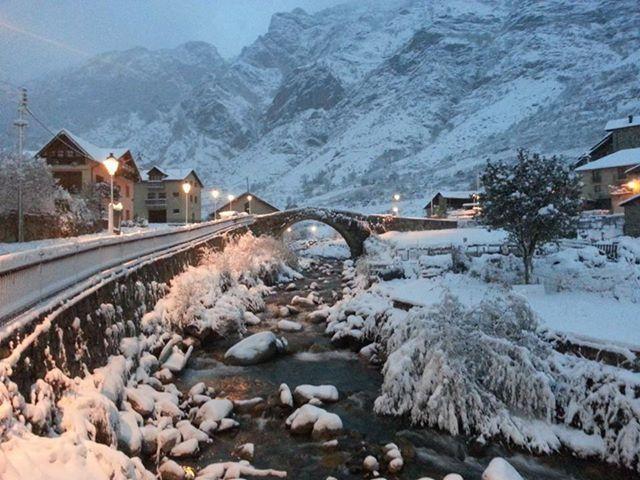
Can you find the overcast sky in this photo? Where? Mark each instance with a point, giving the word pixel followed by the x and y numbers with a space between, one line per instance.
pixel 39 35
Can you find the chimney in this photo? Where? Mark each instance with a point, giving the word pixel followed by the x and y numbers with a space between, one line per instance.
pixel 630 118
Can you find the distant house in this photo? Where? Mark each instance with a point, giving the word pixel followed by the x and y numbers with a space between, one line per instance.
pixel 631 208
pixel 160 197
pixel 606 170
pixel 77 164
pixel 445 200
pixel 247 202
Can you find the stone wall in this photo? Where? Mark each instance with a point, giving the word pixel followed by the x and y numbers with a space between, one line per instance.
pixel 626 138
pixel 81 335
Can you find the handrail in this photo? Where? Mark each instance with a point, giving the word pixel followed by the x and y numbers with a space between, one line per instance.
pixel 28 277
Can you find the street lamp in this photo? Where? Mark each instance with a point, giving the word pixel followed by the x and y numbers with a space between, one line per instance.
pixel 111 164
pixel 249 197
pixel 395 211
pixel 215 194
pixel 396 196
pixel 186 188
pixel 230 198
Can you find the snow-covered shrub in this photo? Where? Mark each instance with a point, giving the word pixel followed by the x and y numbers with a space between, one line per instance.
pixel 39 188
pixel 587 269
pixel 496 268
pixel 211 298
pixel 629 250
pixel 468 371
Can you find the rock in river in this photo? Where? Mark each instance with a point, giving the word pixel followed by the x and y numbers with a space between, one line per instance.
pixel 257 348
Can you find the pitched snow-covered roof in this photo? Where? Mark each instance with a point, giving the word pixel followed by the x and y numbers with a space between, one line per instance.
pixel 99 154
pixel 628 157
pixel 240 197
pixel 630 121
pixel 453 194
pixel 630 199
pixel 173 173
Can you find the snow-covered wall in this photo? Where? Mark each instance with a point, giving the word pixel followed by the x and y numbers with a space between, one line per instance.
pixel 80 335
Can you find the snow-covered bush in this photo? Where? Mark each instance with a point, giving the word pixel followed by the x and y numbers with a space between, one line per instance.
pixel 497 268
pixel 210 299
pixel 39 188
pixel 587 269
pixel 629 250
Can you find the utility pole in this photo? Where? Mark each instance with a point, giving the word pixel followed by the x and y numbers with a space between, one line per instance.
pixel 21 125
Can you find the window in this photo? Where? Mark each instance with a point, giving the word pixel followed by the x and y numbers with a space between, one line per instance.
pixel 176 194
pixel 162 195
pixel 191 198
pixel 597 189
pixel 176 210
pixel 71 153
pixel 151 195
pixel 99 179
pixel 621 173
pixel 126 191
pixel 596 176
pixel 195 198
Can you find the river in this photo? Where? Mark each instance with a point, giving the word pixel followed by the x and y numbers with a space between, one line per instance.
pixel 312 359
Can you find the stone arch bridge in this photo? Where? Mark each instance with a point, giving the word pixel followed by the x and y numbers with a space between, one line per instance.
pixel 355 228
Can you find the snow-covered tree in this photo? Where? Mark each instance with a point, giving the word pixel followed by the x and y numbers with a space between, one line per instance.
pixel 39 188
pixel 535 199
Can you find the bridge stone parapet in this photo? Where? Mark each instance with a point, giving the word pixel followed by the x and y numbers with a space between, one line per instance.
pixel 354 227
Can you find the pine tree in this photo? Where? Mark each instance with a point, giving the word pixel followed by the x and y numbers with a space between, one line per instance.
pixel 535 199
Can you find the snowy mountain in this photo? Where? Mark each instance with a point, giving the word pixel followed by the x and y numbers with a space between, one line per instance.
pixel 344 106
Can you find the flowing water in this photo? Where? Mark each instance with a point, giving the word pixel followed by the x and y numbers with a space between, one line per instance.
pixel 314 360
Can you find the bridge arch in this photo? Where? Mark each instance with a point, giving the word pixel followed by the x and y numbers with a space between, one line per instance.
pixel 355 228
pixel 353 233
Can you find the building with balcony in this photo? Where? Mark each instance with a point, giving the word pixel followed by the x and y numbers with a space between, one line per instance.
pixel 77 165
pixel 160 197
pixel 608 171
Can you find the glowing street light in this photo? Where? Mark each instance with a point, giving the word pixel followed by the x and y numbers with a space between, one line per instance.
pixel 313 228
pixel 230 198
pixel 395 210
pixel 186 188
pixel 634 185
pixel 396 196
pixel 111 164
pixel 215 194
pixel 249 197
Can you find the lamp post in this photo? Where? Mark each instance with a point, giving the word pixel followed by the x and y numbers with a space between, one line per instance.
pixel 186 188
pixel 111 164
pixel 249 197
pixel 215 194
pixel 230 198
pixel 396 199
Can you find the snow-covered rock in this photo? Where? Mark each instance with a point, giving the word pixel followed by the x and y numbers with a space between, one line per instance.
pixel 245 451
pixel 187 448
pixel 188 431
pixel 170 470
pixel 286 398
pixel 129 436
pixel 500 469
pixel 318 421
pixel 370 464
pixel 227 424
pixel 256 348
pixel 167 439
pixel 324 393
pixel 289 326
pixel 214 410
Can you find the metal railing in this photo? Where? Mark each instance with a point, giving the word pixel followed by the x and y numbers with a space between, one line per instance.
pixel 31 276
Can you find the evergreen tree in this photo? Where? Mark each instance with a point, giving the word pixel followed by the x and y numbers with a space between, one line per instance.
pixel 535 199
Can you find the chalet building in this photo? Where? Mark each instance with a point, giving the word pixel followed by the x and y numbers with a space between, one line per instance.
pixel 160 197
pixel 446 200
pixel 242 203
pixel 607 170
pixel 78 164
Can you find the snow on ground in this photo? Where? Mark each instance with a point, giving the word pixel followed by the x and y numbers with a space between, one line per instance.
pixel 585 314
pixel 446 237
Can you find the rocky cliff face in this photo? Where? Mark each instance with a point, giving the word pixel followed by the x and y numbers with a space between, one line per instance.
pixel 356 101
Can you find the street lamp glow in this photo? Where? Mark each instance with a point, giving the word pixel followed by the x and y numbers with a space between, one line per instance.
pixel 230 198
pixel 249 197
pixel 111 164
pixel 313 228
pixel 396 197
pixel 186 188
pixel 215 193
pixel 289 229
pixel 395 210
